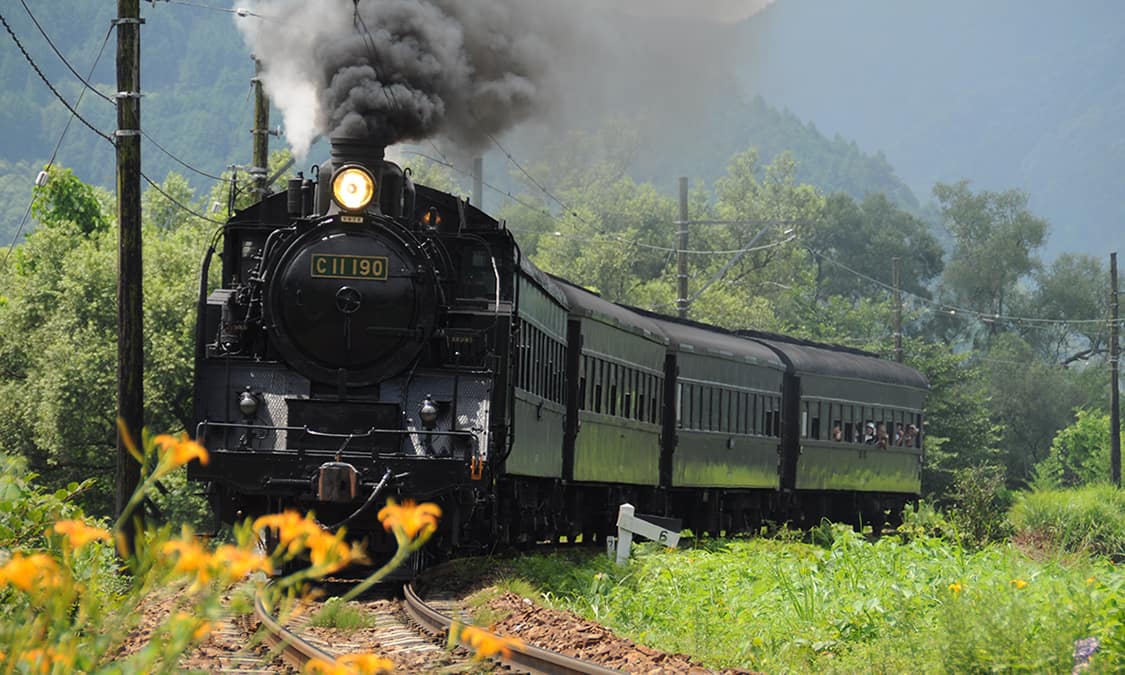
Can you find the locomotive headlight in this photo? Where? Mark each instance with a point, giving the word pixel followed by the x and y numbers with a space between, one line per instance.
pixel 353 188
pixel 248 403
pixel 428 412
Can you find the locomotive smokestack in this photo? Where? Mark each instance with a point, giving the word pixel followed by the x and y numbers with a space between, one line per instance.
pixel 366 152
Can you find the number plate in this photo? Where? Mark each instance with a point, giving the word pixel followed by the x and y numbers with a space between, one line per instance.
pixel 373 268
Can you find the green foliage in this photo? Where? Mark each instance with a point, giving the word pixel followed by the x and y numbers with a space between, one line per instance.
pixel 1033 400
pixel 995 240
pixel 1072 288
pixel 1090 518
pixel 336 613
pixel 922 604
pixel 866 236
pixel 1079 453
pixel 979 504
pixel 959 432
pixel 58 337
pixel 65 199
pixel 27 511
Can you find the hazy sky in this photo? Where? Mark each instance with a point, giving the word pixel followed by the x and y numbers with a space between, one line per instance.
pixel 723 10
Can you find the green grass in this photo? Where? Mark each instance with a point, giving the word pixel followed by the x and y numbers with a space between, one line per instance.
pixel 342 615
pixel 1090 519
pixel 893 605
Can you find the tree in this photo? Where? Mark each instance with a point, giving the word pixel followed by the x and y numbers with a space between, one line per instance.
pixel 58 335
pixel 1073 292
pixel 866 237
pixel 606 242
pixel 767 286
pixel 995 239
pixel 65 199
pixel 1032 400
pixel 959 431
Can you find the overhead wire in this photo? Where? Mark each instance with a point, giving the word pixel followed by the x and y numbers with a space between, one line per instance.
pixel 55 151
pixel 34 66
pixel 83 80
pixel 177 202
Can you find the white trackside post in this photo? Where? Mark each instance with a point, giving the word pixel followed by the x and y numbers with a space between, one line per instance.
pixel 628 524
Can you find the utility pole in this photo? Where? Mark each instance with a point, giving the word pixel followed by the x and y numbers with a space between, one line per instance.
pixel 478 182
pixel 681 255
pixel 898 309
pixel 261 161
pixel 1114 401
pixel 130 334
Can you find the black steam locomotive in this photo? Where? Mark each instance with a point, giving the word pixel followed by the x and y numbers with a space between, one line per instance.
pixel 372 337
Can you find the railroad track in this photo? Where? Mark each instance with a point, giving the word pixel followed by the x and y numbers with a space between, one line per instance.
pixel 418 639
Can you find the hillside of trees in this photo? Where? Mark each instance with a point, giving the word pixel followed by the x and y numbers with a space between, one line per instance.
pixel 195 77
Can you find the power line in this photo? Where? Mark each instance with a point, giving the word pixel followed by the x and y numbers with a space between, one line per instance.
pixel 83 80
pixel 50 86
pixel 954 310
pixel 179 161
pixel 237 11
pixel 55 152
pixel 177 202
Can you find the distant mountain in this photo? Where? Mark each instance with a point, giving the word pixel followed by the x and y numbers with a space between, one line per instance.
pixel 195 78
pixel 1007 93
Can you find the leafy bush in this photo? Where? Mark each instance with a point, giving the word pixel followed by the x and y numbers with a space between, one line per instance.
pixel 980 502
pixel 1079 453
pixel 1090 519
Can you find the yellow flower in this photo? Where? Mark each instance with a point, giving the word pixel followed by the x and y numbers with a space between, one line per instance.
pixel 34 573
pixel 202 631
pixel 292 528
pixel 78 533
pixel 410 518
pixel 175 451
pixel 1090 580
pixel 233 563
pixel 1018 583
pixel 321 667
pixel 327 552
pixel 483 643
pixel 955 587
pixel 191 558
pixel 366 664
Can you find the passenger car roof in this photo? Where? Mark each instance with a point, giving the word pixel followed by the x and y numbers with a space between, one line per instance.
pixel 840 362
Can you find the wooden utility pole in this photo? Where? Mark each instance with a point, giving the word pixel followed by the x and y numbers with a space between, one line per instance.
pixel 261 131
pixel 898 308
pixel 130 334
pixel 1114 402
pixel 682 268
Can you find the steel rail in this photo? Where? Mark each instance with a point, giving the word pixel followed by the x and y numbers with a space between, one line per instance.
pixel 523 657
pixel 296 651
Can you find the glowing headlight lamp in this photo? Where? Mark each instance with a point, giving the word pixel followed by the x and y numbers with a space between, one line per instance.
pixel 353 188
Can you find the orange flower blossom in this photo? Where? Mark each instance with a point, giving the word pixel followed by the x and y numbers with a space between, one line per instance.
pixel 410 518
pixel 292 528
pixel 37 572
pixel 483 643
pixel 179 450
pixel 78 533
pixel 191 558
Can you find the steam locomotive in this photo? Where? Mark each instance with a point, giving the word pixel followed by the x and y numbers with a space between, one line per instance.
pixel 371 337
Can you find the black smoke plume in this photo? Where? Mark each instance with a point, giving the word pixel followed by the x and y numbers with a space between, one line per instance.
pixel 406 70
